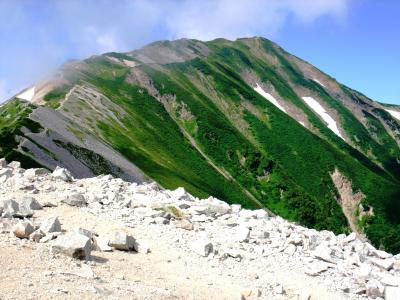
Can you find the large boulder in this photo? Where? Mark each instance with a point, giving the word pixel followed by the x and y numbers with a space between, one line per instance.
pixel 121 241
pixel 73 244
pixel 11 208
pixel 23 229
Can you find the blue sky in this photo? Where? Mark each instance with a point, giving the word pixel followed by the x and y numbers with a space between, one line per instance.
pixel 355 41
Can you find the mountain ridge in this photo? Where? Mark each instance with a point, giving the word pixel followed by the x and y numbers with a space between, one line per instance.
pixel 188 113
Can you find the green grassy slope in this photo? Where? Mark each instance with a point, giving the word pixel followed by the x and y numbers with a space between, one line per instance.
pixel 248 151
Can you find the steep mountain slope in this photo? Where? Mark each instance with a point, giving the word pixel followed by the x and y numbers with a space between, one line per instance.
pixel 244 121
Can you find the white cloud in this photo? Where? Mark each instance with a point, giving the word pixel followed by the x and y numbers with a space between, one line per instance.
pixel 46 33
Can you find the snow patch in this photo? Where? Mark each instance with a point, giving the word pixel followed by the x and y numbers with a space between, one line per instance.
pixel 394 113
pixel 319 82
pixel 269 97
pixel 315 106
pixel 27 95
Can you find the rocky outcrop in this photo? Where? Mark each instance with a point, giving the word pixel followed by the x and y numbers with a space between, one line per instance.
pixel 209 231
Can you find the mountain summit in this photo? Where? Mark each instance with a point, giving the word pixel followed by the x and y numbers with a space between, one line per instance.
pixel 242 120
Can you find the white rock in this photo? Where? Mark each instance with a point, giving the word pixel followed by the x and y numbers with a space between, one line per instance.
pixel 141 247
pixel 63 174
pixel 351 237
pixel 184 224
pixel 50 225
pixel 382 254
pixel 386 264
pixel 14 165
pixel 33 173
pixel 101 244
pixel 202 247
pixel 121 241
pixel 392 293
pixel 242 234
pixel 290 249
pixel 324 253
pixel 315 269
pixel 390 280
pixel 73 244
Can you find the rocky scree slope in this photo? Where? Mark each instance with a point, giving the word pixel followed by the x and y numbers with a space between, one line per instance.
pixel 243 121
pixel 104 237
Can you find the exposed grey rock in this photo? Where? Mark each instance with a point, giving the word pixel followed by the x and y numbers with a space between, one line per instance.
pixel 73 244
pixel 202 247
pixel 9 207
pixel 50 225
pixel 23 229
pixel 3 163
pixel 75 199
pixel 62 174
pixel 29 203
pixel 36 236
pixel 121 241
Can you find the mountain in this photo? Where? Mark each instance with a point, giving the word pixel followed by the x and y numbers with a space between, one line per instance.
pixel 242 120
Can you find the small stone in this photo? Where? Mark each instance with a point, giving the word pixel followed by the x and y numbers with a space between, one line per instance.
pixel 101 244
pixel 29 203
pixel 36 236
pixel 63 174
pixel 290 249
pixel 374 289
pixel 184 224
pixel 386 264
pixel 23 229
pixel 392 293
pixel 50 225
pixel 121 241
pixel 316 269
pixel 324 253
pixel 202 247
pixel 141 247
pixel 75 199
pixel 242 234
pixel 279 289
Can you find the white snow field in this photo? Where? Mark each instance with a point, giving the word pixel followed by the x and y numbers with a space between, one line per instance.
pixel 315 106
pixel 319 82
pixel 394 113
pixel 27 95
pixel 269 97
